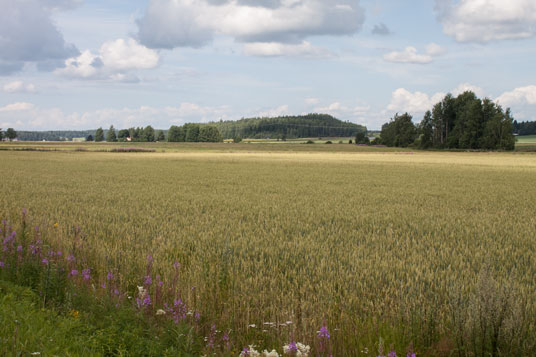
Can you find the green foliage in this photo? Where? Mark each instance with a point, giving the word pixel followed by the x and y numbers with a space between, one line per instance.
pixel 123 134
pixel 96 328
pixel 362 138
pixel 191 132
pixel 1 134
pixel 306 126
pixel 11 134
pixel 148 134
pixel 160 136
pixel 99 135
pixel 209 134
pixel 400 131
pixel 176 134
pixel 524 127
pixel 89 138
pixel 462 122
pixel 237 139
pixel 110 135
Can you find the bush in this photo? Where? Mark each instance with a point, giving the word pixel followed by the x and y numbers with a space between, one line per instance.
pixel 329 142
pixel 310 142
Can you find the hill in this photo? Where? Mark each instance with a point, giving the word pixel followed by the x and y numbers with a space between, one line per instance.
pixel 303 126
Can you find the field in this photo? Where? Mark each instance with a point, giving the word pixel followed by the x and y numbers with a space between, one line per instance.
pixel 405 246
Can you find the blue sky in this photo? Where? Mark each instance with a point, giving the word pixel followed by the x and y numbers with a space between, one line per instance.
pixel 80 64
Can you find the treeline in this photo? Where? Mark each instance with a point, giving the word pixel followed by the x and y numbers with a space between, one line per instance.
pixel 139 134
pixel 194 133
pixel 304 126
pixel 525 128
pixel 190 132
pixel 462 122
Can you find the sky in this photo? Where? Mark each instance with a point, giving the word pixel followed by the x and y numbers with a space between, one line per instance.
pixel 81 64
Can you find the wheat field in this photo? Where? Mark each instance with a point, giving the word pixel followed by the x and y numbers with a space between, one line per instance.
pixel 273 243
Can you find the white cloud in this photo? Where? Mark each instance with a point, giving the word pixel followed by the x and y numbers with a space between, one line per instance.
pixel 18 87
pixel 274 112
pixel 16 107
pixel 487 20
pixel 311 101
pixel 464 87
pixel 341 111
pixel 403 100
pixel 276 49
pixel 410 54
pixel 521 95
pixel 176 23
pixel 26 116
pixel 28 35
pixel 113 60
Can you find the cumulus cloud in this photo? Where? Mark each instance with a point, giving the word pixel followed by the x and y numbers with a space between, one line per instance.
pixel 113 60
pixel 411 55
pixel 26 116
pixel 487 20
pixel 464 87
pixel 175 23
pixel 274 112
pixel 521 95
pixel 277 49
pixel 403 100
pixel 18 87
pixel 381 29
pixel 341 111
pixel 16 107
pixel 28 35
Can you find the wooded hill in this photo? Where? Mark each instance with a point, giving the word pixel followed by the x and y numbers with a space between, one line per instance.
pixel 303 126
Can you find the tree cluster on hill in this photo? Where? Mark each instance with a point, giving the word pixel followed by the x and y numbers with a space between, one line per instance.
pixel 304 126
pixel 525 128
pixel 192 132
pixel 462 122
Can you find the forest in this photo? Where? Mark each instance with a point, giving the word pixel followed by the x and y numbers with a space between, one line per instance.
pixel 462 122
pixel 304 126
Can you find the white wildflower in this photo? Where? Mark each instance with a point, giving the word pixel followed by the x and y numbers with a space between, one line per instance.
pixel 270 354
pixel 160 312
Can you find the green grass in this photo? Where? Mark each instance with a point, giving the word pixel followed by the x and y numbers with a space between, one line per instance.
pixel 26 328
pixel 378 243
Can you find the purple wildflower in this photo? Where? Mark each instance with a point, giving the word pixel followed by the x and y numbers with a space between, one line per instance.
pixel 211 337
pixel 44 261
pixel 1 264
pixel 70 258
pixel 86 273
pixel 36 228
pixel 324 332
pixel 226 340
pixel 110 276
pixel 179 310
pixel 147 300
pixel 391 354
pixel 148 280
pixel 103 286
pixel 197 316
pixel 19 249
pixel 176 265
pixel 245 352
pixel 411 354
pixel 292 347
pixel 150 259
pixel 116 292
pixel 74 272
pixel 59 254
